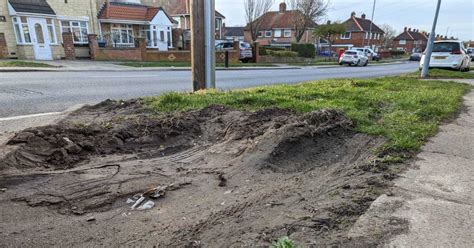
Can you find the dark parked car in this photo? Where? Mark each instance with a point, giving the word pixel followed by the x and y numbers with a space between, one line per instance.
pixel 415 57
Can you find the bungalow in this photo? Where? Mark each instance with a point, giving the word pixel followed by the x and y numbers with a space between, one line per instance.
pixel 276 28
pixel 234 33
pixel 410 41
pixel 120 23
pixel 180 11
pixel 360 32
pixel 32 29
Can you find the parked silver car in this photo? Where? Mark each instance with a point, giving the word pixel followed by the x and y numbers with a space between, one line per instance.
pixel 354 57
pixel 246 53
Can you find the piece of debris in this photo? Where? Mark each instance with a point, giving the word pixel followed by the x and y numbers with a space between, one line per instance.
pixel 3 189
pixel 222 180
pixel 147 205
pixel 90 219
pixel 138 202
pixel 227 192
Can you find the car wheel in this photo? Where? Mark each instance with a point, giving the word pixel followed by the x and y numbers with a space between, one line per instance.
pixel 366 63
pixel 245 60
pixel 358 62
pixel 340 63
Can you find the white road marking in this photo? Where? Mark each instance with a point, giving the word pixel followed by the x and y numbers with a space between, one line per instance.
pixel 29 116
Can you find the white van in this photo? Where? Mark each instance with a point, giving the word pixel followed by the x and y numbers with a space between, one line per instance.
pixel 370 53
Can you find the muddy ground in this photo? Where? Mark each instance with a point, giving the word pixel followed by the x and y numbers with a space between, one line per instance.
pixel 229 179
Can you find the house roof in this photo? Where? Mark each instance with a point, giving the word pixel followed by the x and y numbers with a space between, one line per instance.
pixel 181 7
pixel 358 24
pixel 32 6
pixel 411 35
pixel 279 19
pixel 128 11
pixel 234 31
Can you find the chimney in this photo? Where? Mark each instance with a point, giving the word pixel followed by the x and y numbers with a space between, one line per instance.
pixel 409 30
pixel 282 7
pixel 405 29
pixel 363 16
pixel 353 13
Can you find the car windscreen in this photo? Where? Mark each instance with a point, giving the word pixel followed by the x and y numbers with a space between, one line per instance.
pixel 446 47
pixel 350 53
pixel 245 45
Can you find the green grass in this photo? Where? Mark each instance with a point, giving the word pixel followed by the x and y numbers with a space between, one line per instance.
pixel 187 64
pixel 24 64
pixel 444 74
pixel 405 110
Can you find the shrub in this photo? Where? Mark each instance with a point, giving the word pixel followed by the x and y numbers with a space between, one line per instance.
pixel 265 50
pixel 304 50
pixel 397 53
pixel 262 51
pixel 282 53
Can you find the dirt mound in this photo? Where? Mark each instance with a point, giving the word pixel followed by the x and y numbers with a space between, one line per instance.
pixel 240 178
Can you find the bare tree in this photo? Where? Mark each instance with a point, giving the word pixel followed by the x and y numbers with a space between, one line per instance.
pixel 254 9
pixel 389 35
pixel 308 13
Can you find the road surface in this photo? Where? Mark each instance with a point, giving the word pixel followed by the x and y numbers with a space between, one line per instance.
pixel 26 93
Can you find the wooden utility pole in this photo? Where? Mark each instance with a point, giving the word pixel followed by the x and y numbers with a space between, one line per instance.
pixel 202 44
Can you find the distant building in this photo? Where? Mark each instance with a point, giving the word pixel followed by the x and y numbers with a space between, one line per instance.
pixel 277 28
pixel 360 32
pixel 234 33
pixel 410 41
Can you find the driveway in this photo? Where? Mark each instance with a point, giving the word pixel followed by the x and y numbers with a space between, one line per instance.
pixel 29 93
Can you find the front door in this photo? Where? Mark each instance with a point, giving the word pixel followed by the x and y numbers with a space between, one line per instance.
pixel 40 38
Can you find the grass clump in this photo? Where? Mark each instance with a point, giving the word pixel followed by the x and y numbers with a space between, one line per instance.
pixel 444 74
pixel 284 242
pixel 404 110
pixel 24 64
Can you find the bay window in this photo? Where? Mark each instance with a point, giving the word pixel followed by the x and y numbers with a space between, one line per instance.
pixel 122 34
pixel 287 33
pixel 79 30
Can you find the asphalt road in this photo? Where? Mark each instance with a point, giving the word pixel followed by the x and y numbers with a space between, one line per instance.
pixel 25 93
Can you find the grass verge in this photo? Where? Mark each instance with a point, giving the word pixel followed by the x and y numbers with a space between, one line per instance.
pixel 404 110
pixel 188 64
pixel 444 74
pixel 24 64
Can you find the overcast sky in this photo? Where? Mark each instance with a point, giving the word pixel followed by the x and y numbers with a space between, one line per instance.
pixel 456 16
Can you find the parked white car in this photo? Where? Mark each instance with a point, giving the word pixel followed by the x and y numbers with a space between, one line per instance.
pixel 246 53
pixel 449 54
pixel 369 52
pixel 354 57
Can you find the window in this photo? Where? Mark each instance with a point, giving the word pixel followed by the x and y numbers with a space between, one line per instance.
pixel 178 20
pixel 287 33
pixel 79 30
pixel 122 34
pixel 366 35
pixel 268 33
pixel 346 36
pixel 260 34
pixel 22 31
pixel 402 42
pixel 277 33
pixel 51 31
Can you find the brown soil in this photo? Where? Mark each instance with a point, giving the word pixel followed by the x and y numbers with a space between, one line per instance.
pixel 232 178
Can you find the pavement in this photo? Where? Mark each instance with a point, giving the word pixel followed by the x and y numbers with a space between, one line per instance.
pixel 435 197
pixel 29 93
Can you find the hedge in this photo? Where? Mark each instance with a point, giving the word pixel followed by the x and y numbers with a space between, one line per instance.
pixel 397 53
pixel 304 50
pixel 264 50
pixel 282 53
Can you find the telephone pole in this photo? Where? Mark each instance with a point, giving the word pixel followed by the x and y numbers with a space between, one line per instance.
pixel 203 44
pixel 429 49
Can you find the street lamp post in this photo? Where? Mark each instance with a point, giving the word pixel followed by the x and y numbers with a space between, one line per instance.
pixel 429 49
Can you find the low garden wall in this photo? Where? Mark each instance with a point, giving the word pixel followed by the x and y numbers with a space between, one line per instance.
pixel 141 53
pixel 277 60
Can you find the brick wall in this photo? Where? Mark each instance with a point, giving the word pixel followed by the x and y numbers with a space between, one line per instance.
pixel 114 54
pixel 185 56
pixel 68 44
pixel 3 47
